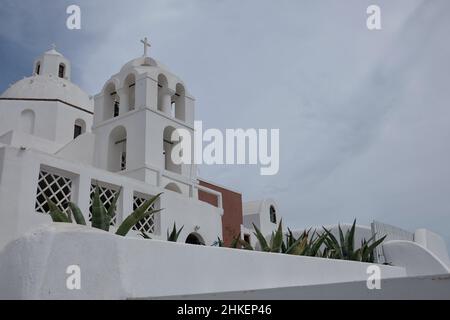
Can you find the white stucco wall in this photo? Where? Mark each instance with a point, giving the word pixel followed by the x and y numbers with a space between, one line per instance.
pixel 433 242
pixel 416 259
pixel 53 120
pixel 114 267
pixel 436 287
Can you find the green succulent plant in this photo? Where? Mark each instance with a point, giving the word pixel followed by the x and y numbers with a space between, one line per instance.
pixel 276 239
pixel 305 245
pixel 318 244
pixel 344 248
pixel 173 236
pixel 101 218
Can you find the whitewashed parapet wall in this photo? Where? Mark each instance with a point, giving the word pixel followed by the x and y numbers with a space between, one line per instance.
pixel 114 267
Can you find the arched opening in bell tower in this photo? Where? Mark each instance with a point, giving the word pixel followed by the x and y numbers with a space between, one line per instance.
pixel 179 102
pixel 111 102
pixel 130 91
pixel 117 150
pixel 164 98
pixel 169 142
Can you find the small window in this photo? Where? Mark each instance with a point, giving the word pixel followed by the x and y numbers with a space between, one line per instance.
pixel 77 131
pixel 116 108
pixel 62 70
pixel 38 69
pixel 79 128
pixel 273 215
pixel 247 238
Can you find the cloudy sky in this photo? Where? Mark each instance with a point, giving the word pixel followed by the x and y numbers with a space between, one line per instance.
pixel 364 116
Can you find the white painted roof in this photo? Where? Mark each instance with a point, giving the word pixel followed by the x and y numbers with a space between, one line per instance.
pixel 49 87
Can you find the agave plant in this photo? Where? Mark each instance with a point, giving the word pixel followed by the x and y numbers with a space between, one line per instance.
pixel 323 244
pixel 344 248
pixel 173 236
pixel 305 245
pixel 276 241
pixel 101 218
pixel 367 249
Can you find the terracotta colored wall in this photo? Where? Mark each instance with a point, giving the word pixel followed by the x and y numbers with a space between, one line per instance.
pixel 232 207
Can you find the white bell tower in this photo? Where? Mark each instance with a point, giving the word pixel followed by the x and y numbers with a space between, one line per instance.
pixel 52 63
pixel 135 115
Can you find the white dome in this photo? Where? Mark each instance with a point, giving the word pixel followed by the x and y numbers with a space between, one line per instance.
pixel 144 62
pixel 49 87
pixel 139 62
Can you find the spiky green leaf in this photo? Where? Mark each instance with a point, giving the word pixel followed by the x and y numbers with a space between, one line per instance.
pixel 100 219
pixel 138 214
pixel 77 214
pixel 56 214
pixel 113 206
pixel 262 240
pixel 277 239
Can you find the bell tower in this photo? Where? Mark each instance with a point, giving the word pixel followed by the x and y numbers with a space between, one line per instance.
pixel 52 63
pixel 136 115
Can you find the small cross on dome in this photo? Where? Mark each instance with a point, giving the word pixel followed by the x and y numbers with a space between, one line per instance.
pixel 53 46
pixel 146 44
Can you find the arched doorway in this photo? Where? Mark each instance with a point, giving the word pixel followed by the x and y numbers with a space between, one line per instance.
pixel 173 187
pixel 195 238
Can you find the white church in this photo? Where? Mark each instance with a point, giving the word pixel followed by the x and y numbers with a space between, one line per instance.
pixel 58 142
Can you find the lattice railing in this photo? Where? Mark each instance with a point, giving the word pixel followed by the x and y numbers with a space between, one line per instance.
pixel 107 195
pixel 59 189
pixel 146 225
pixel 55 187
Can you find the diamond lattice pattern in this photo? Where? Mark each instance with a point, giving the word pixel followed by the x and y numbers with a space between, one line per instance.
pixel 146 225
pixel 55 187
